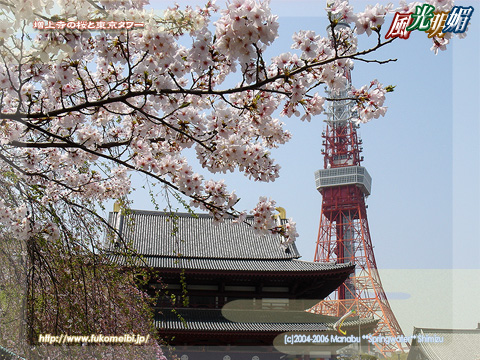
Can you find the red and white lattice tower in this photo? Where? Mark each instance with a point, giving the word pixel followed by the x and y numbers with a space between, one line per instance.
pixel 343 234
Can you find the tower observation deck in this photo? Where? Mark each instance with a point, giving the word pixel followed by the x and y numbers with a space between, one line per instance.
pixel 343 234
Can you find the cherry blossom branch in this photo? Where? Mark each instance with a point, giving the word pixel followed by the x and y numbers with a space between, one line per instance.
pixel 118 161
pixel 180 90
pixel 374 61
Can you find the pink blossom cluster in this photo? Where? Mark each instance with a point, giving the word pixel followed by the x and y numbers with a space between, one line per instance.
pixel 370 100
pixel 216 195
pixel 264 218
pixel 246 26
pixel 263 215
pixel 372 18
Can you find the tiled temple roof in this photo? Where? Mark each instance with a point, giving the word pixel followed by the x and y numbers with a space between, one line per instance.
pixel 163 234
pixel 251 321
pixel 182 241
pixel 445 344
pixel 280 266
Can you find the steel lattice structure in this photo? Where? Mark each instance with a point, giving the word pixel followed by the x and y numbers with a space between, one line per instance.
pixel 343 234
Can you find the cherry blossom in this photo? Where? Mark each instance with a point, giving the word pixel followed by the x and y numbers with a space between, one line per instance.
pixel 82 110
pixel 439 44
pixel 441 5
pixel 371 19
pixel 370 101
pixel 341 10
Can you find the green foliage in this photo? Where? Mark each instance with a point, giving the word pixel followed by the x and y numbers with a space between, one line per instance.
pixel 368 357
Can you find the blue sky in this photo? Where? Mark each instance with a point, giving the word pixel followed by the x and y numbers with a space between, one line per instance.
pixel 423 156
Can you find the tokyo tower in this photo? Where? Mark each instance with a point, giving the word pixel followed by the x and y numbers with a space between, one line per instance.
pixel 343 234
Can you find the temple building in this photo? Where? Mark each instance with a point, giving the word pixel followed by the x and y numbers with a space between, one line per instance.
pixel 445 344
pixel 229 293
